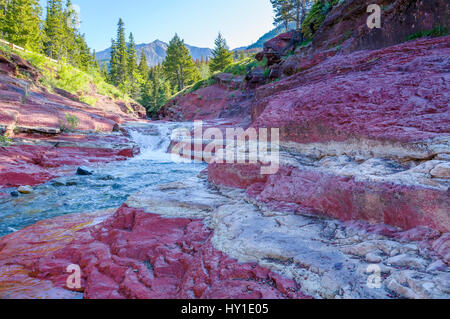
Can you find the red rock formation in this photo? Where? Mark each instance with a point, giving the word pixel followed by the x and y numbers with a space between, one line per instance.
pixel 25 103
pixel 213 102
pixel 18 252
pixel 36 164
pixel 37 120
pixel 346 25
pixel 229 99
pixel 339 197
pixel 277 47
pixel 390 103
pixel 137 255
pixel 365 136
pixel 391 94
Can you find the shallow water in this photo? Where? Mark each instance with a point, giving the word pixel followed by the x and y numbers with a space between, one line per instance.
pixel 108 187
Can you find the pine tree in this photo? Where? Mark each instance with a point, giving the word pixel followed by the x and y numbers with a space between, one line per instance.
pixel 113 64
pixel 95 61
pixel 84 58
pixel 283 12
pixel 134 76
pixel 55 29
pixel 299 11
pixel 21 24
pixel 3 4
pixel 118 73
pixel 178 65
pixel 287 11
pixel 70 34
pixel 156 91
pixel 132 56
pixel 121 53
pixel 222 57
pixel 143 65
pixel 104 71
pixel 146 95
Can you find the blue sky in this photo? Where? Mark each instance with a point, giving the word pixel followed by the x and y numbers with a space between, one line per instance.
pixel 242 22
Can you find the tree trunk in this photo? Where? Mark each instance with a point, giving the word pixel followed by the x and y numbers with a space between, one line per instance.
pixel 302 19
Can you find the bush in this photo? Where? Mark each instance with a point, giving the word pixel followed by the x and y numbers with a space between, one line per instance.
pixel 72 121
pixel 197 86
pixel 245 65
pixel 316 16
pixel 90 100
pixel 437 31
pixel 5 140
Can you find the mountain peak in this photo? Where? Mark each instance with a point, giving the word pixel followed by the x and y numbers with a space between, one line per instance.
pixel 155 52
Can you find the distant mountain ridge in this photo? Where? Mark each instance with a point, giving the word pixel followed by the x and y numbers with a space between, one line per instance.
pixel 155 52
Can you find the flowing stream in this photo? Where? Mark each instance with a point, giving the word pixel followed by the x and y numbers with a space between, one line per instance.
pixel 108 187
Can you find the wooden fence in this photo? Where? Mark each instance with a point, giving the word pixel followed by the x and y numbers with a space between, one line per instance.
pixel 16 47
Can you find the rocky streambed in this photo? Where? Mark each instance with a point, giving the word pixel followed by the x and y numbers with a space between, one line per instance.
pixel 159 229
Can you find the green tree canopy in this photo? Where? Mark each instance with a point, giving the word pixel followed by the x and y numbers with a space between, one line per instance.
pixel 178 65
pixel 287 11
pixel 222 57
pixel 54 29
pixel 132 56
pixel 143 65
pixel 21 23
pixel 119 57
pixel 156 91
pixel 283 12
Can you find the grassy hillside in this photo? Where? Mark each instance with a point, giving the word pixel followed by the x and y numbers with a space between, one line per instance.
pixel 64 76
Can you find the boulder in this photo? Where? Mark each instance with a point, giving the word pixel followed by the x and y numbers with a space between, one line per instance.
pixel 255 78
pixel 228 80
pixel 25 67
pixel 441 171
pixel 6 66
pixel 279 46
pixel 82 171
pixel 25 189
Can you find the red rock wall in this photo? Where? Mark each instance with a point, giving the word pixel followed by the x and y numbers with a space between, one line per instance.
pixel 346 24
pixel 392 94
pixel 139 255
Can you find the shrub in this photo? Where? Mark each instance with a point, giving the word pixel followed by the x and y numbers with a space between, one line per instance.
pixel 5 140
pixel 316 16
pixel 72 121
pixel 90 100
pixel 245 65
pixel 437 31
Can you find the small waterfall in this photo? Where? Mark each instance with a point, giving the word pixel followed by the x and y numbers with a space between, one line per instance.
pixel 154 141
pixel 109 186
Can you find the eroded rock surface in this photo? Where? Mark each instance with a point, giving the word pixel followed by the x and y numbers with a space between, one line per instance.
pixel 355 147
pixel 241 249
pixel 33 160
pixel 43 143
